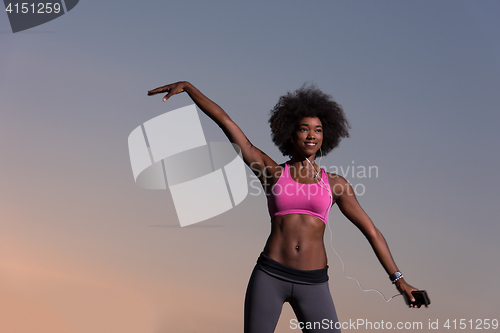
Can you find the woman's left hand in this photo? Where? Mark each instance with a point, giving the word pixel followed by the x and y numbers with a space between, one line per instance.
pixel 405 289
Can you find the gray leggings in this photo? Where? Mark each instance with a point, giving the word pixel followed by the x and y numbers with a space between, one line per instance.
pixel 312 304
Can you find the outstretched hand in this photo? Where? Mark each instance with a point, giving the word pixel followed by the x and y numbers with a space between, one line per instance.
pixel 170 89
pixel 406 290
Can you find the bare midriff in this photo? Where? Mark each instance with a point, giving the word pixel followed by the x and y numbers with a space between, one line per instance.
pixel 296 240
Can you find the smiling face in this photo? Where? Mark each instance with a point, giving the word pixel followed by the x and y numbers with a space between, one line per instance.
pixel 308 136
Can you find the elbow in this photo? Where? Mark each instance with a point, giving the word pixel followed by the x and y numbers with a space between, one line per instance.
pixel 374 236
pixel 225 122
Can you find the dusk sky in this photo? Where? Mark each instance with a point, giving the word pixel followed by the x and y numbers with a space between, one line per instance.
pixel 85 249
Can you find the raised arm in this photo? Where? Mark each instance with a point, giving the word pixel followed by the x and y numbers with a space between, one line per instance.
pixel 350 207
pixel 257 160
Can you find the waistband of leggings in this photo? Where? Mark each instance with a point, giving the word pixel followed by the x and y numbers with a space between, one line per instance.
pixel 276 269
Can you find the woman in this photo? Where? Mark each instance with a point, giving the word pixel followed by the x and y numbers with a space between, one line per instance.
pixel 293 265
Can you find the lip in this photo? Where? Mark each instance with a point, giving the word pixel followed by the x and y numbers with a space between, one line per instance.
pixel 310 144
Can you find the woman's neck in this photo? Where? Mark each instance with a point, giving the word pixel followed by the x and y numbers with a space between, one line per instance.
pixel 305 164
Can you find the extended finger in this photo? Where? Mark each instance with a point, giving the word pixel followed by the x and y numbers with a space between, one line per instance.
pixel 158 90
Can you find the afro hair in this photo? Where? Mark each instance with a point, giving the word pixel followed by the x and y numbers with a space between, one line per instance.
pixel 307 101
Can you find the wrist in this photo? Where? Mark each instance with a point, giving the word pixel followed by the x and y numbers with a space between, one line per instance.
pixel 185 85
pixel 400 282
pixel 396 276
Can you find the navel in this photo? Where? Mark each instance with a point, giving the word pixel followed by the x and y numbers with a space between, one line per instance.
pixel 297 247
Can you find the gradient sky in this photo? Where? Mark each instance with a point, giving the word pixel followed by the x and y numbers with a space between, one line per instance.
pixel 84 249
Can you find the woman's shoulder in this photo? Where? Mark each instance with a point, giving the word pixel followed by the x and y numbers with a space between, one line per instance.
pixel 273 172
pixel 338 184
pixel 278 170
pixel 334 178
pixel 271 175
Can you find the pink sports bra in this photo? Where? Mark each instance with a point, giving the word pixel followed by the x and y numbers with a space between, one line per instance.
pixel 290 197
